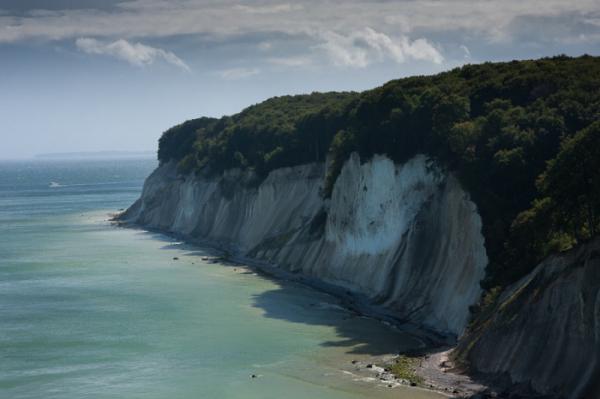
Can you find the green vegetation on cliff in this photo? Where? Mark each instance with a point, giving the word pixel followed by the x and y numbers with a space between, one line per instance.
pixel 282 131
pixel 522 136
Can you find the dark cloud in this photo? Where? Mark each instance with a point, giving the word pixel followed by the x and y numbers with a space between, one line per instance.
pixel 242 36
pixel 24 6
pixel 568 28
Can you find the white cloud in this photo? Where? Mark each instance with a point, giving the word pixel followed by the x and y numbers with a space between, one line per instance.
pixel 294 62
pixel 265 46
pixel 342 50
pixel 268 9
pixel 486 20
pixel 364 47
pixel 238 73
pixel 334 31
pixel 399 22
pixel 137 54
pixel 466 50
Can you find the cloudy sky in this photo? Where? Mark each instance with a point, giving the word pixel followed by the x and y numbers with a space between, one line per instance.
pixel 91 75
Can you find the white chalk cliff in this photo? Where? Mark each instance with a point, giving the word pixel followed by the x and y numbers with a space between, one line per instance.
pixel 407 237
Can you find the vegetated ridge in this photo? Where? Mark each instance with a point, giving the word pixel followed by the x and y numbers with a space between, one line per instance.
pixel 523 137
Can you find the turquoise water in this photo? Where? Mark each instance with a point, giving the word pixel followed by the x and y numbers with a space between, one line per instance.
pixel 89 310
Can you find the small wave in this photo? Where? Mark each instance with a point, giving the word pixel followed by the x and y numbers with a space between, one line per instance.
pixel 54 184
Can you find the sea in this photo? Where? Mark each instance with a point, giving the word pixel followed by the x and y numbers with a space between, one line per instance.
pixel 93 310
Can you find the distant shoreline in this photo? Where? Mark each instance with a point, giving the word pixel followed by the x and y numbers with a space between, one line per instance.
pixel 95 155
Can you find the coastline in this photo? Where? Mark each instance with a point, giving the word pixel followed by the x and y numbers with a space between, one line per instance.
pixel 431 361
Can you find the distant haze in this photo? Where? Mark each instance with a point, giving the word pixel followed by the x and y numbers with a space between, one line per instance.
pixel 95 75
pixel 97 155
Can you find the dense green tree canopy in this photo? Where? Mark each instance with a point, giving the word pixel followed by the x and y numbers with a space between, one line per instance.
pixel 520 135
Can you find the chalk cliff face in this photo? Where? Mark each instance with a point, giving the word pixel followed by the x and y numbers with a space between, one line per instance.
pixel 545 331
pixel 407 236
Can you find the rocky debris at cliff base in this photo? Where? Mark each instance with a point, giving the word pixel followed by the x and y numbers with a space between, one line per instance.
pixel 213 259
pixel 379 370
pixel 438 373
pixel 114 218
pixel 432 371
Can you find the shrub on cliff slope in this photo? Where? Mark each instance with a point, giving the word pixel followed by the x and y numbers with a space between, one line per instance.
pixel 496 125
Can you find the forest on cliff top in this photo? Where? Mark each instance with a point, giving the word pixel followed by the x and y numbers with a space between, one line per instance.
pixel 522 136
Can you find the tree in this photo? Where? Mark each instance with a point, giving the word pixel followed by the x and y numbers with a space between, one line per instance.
pixel 572 181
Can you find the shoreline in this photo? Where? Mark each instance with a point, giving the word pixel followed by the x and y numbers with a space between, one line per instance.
pixel 431 357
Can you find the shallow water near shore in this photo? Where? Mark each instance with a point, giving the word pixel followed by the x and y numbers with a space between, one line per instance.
pixel 91 310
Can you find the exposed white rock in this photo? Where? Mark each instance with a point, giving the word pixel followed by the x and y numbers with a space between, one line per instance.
pixel 406 236
pixel 374 204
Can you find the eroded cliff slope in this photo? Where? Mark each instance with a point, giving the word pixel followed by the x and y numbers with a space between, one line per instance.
pixel 544 333
pixel 405 236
